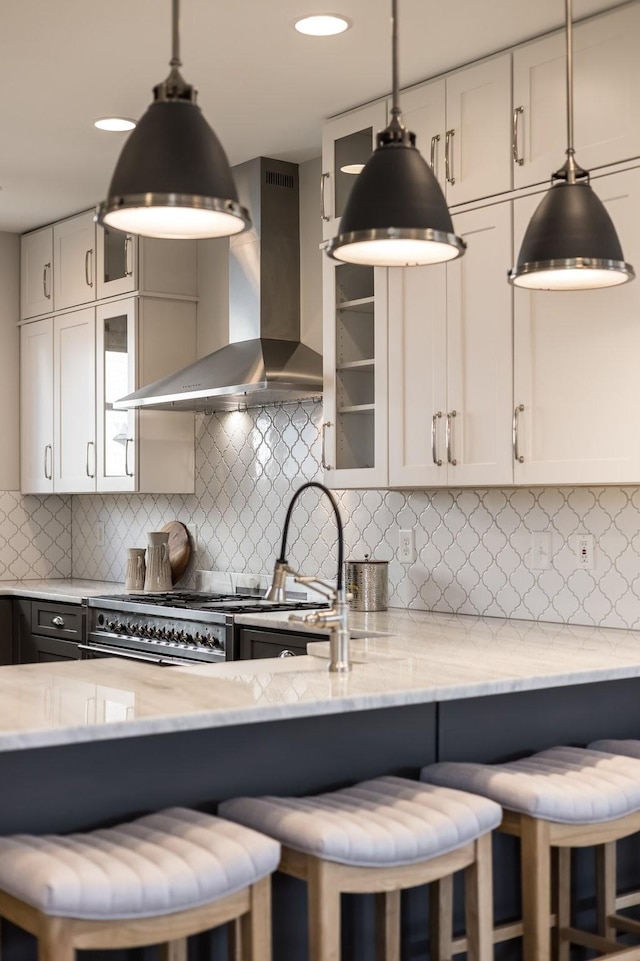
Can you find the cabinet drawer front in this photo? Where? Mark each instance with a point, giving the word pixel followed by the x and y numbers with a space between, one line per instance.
pixel 257 643
pixel 57 620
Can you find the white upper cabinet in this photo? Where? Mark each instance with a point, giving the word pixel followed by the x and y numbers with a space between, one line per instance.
pixel 606 94
pixel 36 273
pixel 347 144
pixel 74 261
pixel 74 390
pixel 462 128
pixel 36 407
pixel 450 362
pixel 576 382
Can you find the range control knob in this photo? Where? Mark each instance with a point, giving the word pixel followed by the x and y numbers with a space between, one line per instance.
pixel 118 627
pixel 198 639
pixel 110 625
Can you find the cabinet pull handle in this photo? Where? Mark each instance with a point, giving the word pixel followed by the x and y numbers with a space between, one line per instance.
pixel 57 621
pixel 91 443
pixel 48 461
pixel 128 472
pixel 46 274
pixel 434 143
pixel 451 460
pixel 88 256
pixel 448 156
pixel 323 188
pixel 323 460
pixel 128 247
pixel 517 159
pixel 286 654
pixel 517 456
pixel 434 441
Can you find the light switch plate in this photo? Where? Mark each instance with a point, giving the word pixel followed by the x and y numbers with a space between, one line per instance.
pixel 541 550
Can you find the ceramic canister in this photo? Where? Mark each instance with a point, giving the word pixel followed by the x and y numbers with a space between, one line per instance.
pixel 135 571
pixel 158 576
pixel 368 583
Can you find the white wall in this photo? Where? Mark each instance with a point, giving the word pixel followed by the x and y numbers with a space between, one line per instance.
pixel 9 361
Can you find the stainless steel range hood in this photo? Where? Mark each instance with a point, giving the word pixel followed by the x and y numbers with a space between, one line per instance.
pixel 265 363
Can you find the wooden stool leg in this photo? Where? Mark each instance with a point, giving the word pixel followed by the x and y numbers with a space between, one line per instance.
pixel 234 941
pixel 173 950
pixel 256 924
pixel 563 913
pixel 323 899
pixel 388 926
pixel 55 941
pixel 441 919
pixel 606 888
pixel 479 903
pixel 536 888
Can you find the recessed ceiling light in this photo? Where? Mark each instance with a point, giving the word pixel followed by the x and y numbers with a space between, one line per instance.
pixel 114 123
pixel 352 169
pixel 322 24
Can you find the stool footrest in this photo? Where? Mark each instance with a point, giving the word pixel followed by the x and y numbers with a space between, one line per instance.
pixel 621 923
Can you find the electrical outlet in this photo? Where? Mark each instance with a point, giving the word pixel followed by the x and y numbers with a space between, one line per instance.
pixel 541 550
pixel 99 532
pixel 407 547
pixel 584 551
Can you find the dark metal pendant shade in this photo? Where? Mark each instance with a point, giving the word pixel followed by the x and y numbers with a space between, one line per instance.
pixel 174 159
pixel 396 214
pixel 570 243
pixel 173 179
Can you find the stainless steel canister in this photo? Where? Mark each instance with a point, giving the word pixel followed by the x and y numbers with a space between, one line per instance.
pixel 368 582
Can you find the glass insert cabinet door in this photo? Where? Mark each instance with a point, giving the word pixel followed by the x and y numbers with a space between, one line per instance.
pixel 347 143
pixel 115 354
pixel 117 262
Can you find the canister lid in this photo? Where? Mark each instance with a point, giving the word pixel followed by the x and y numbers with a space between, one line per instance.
pixel 367 560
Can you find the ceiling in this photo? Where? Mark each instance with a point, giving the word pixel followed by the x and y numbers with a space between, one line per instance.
pixel 263 88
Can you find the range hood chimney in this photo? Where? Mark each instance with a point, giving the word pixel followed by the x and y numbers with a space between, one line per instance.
pixel 265 363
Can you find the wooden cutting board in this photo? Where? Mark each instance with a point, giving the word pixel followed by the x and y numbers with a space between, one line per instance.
pixel 179 549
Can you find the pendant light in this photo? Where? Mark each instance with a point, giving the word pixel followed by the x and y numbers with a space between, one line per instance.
pixel 396 214
pixel 173 178
pixel 570 243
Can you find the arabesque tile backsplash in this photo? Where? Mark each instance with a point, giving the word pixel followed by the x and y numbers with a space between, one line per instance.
pixel 35 536
pixel 473 547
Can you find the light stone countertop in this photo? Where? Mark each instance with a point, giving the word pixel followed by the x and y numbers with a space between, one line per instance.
pixel 430 657
pixel 66 591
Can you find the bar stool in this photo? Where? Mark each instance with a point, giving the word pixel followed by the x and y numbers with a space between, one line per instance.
pixel 156 880
pixel 609 920
pixel 558 799
pixel 380 836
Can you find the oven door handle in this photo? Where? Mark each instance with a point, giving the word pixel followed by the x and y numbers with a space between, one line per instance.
pixel 131 656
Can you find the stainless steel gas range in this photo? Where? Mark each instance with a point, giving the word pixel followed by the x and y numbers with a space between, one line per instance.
pixel 180 627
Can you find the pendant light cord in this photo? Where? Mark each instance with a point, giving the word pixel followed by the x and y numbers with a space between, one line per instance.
pixel 175 35
pixel 395 107
pixel 569 34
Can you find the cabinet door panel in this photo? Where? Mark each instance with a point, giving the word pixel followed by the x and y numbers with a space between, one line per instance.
pixel 74 404
pixel 576 358
pixel 479 349
pixel 424 112
pixel 36 407
pixel 417 376
pixel 346 141
pixel 479 130
pixel 606 90
pixel 74 245
pixel 117 262
pixel 115 377
pixel 36 273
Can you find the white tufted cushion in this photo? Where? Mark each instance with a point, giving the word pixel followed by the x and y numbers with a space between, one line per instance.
pixel 629 748
pixel 165 862
pixel 564 784
pixel 380 823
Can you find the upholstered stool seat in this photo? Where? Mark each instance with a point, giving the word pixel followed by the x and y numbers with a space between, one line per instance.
pixel 560 798
pixel 379 836
pixel 114 887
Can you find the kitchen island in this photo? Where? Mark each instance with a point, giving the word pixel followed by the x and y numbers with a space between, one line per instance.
pixel 98 741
